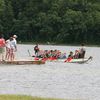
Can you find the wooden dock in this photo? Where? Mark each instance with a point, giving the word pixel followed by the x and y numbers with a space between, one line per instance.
pixel 22 62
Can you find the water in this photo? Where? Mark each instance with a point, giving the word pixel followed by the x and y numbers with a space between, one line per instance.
pixel 53 79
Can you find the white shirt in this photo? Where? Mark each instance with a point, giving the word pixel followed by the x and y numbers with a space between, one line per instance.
pixel 15 41
pixel 8 43
pixel 13 44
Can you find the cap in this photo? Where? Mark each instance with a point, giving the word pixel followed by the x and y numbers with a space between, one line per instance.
pixel 15 36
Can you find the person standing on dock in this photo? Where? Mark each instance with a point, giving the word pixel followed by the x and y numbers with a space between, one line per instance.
pixel 15 42
pixel 13 47
pixel 2 47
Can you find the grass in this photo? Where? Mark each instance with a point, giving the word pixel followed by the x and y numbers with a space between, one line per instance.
pixel 23 97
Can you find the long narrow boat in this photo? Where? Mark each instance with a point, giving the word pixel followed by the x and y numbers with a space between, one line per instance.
pixel 23 62
pixel 70 60
pixel 81 60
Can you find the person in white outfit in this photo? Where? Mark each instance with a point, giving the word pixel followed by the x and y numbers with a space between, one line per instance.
pixel 11 48
pixel 15 42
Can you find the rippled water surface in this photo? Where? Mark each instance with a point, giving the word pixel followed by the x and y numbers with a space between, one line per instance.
pixel 53 79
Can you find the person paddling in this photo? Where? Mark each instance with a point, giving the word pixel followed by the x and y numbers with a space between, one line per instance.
pixel 76 55
pixel 70 57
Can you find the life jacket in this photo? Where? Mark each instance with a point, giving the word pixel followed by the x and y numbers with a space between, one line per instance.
pixel 2 42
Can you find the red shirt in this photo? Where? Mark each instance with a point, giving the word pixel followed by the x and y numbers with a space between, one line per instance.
pixel 2 42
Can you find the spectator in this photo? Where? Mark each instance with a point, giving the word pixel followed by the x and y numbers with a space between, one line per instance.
pixel 2 47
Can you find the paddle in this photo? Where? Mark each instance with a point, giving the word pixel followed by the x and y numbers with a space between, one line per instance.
pixel 29 53
pixel 90 58
pixel 68 59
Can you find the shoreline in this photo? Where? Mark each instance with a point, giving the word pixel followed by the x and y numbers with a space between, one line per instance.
pixel 88 45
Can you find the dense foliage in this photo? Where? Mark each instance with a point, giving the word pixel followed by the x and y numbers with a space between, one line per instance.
pixel 58 21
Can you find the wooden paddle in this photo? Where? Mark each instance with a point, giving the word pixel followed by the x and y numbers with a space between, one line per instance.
pixel 29 53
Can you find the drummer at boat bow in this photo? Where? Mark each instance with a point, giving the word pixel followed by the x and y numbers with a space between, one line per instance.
pixel 36 49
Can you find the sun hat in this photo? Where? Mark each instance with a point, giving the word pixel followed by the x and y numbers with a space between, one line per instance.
pixel 15 36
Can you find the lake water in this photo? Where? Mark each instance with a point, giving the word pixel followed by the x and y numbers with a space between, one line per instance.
pixel 53 79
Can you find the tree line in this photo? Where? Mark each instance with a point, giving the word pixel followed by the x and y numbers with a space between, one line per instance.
pixel 58 21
